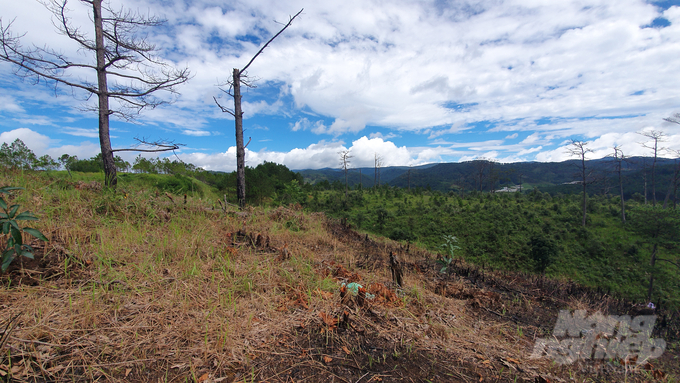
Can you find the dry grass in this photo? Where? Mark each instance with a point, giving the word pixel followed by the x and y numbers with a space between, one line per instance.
pixel 134 286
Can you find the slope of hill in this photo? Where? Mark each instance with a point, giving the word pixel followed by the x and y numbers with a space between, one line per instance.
pixel 136 286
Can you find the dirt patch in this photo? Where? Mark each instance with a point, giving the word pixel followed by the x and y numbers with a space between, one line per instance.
pixel 51 261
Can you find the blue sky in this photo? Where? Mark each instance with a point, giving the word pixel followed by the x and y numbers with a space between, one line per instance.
pixel 412 81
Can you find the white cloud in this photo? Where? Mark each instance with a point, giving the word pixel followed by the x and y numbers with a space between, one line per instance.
pixel 41 144
pixel 196 133
pixel 630 143
pixel 35 141
pixel 531 139
pixel 317 127
pixel 9 104
pixel 323 155
pixel 91 133
pixel 35 120
pixel 401 65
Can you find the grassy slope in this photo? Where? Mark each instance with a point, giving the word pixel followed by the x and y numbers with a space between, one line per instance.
pixel 134 286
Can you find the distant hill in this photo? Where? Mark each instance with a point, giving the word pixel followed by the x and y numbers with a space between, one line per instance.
pixel 552 177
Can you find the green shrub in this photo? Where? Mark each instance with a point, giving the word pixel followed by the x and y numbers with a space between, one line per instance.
pixel 9 221
pixel 178 184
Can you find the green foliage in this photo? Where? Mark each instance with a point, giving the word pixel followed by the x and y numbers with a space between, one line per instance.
pixel 530 231
pixel 45 162
pixel 17 155
pixel 450 248
pixel 292 193
pixel 657 225
pixel 10 226
pixel 177 184
pixel 543 251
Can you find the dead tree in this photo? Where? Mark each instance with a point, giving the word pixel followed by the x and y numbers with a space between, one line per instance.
pixel 656 136
pixel 619 158
pixel 578 149
pixel 480 165
pixel 240 77
pixel 378 165
pixel 344 162
pixel 127 71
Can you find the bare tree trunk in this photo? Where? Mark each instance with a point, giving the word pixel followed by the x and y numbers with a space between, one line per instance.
pixel 619 166
pixel 345 183
pixel 583 181
pixel 110 177
pixel 623 203
pixel 240 149
pixel 651 274
pixel 653 176
pixel 578 148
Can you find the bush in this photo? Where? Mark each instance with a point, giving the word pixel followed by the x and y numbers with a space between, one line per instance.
pixel 177 184
pixel 543 251
pixel 8 221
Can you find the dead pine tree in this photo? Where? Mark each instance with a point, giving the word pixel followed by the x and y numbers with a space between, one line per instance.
pixel 656 136
pixel 378 164
pixel 344 162
pixel 578 149
pixel 126 70
pixel 619 158
pixel 481 165
pixel 240 77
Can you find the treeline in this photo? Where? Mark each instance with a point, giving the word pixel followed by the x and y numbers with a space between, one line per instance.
pixel 18 155
pixel 267 182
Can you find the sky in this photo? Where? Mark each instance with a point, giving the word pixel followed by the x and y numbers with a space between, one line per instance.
pixel 413 82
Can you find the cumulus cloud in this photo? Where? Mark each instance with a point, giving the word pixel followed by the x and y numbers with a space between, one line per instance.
pixel 322 155
pixel 41 144
pixel 92 133
pixel 631 143
pixel 551 69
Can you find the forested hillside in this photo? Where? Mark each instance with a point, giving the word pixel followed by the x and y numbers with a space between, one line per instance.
pixel 485 175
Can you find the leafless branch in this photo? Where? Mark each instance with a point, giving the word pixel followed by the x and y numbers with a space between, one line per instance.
pixel 675 118
pixel 669 261
pixel 270 40
pixel 123 50
pixel 225 110
pixel 160 146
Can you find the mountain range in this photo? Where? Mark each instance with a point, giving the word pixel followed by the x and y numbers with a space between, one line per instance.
pixel 485 175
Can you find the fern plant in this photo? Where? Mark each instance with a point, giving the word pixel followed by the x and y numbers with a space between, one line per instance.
pixel 9 218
